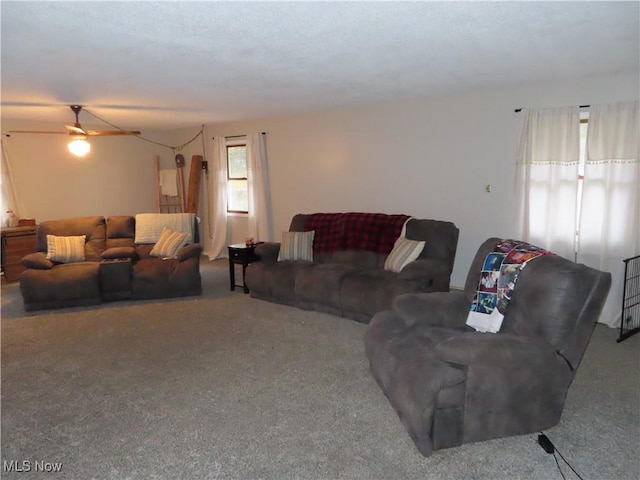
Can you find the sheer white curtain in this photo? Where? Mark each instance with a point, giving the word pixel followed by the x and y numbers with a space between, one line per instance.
pixel 8 194
pixel 609 224
pixel 259 222
pixel 546 178
pixel 216 240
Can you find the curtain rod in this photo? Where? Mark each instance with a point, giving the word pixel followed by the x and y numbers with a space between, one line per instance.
pixel 518 110
pixel 238 136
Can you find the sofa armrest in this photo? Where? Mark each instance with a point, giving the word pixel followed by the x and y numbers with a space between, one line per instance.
pixel 500 350
pixel 436 309
pixel 37 261
pixel 189 251
pixel 114 253
pixel 424 269
pixel 267 251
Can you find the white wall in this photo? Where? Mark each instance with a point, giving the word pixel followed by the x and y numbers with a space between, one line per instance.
pixel 430 158
pixel 117 177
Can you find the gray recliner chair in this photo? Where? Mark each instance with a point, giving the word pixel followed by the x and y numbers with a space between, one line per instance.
pixel 451 385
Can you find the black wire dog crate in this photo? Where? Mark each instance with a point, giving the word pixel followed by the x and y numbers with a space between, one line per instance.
pixel 630 323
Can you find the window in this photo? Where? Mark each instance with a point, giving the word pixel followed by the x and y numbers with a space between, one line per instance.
pixel 237 187
pixel 584 126
pixel 590 211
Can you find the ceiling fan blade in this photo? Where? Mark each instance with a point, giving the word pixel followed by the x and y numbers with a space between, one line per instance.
pixel 36 131
pixel 111 132
pixel 76 130
pixel 73 129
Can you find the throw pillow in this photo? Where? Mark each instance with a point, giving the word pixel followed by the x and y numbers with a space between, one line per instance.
pixel 65 249
pixel 404 252
pixel 296 246
pixel 169 243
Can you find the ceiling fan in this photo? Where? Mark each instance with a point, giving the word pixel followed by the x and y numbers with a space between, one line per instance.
pixel 76 129
pixel 78 145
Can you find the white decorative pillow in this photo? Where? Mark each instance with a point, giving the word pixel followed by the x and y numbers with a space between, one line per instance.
pixel 169 243
pixel 404 252
pixel 296 246
pixel 65 249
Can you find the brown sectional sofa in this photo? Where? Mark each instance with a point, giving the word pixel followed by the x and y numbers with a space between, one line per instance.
pixel 115 267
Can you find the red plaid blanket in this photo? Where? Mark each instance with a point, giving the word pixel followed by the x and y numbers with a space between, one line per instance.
pixel 376 232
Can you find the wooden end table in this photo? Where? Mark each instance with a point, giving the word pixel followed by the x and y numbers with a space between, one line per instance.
pixel 16 243
pixel 241 254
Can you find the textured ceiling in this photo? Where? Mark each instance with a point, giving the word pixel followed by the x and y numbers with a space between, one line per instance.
pixel 172 64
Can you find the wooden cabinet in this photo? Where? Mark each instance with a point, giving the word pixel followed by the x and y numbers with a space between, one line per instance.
pixel 16 243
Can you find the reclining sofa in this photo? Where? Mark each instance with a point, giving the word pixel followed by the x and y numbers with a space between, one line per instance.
pixel 117 263
pixel 345 275
pixel 451 384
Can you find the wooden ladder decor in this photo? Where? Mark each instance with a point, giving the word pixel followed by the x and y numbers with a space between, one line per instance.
pixel 171 203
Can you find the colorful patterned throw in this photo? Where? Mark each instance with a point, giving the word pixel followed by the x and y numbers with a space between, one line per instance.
pixel 497 281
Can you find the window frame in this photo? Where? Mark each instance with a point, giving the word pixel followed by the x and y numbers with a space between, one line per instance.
pixel 584 123
pixel 232 143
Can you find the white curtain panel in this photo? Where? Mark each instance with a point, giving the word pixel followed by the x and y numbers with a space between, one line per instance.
pixel 216 241
pixel 259 222
pixel 546 179
pixel 9 198
pixel 609 224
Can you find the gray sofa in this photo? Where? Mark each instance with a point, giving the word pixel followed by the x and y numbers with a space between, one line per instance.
pixel 115 267
pixel 353 283
pixel 451 385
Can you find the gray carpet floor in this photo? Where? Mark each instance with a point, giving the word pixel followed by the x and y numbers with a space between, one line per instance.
pixel 229 387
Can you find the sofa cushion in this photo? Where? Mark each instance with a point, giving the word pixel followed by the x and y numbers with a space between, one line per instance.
pixel 144 250
pixel 93 228
pixel 65 285
pixel 356 258
pixel 168 244
pixel 320 283
pixel 275 280
pixel 370 291
pixel 121 231
pixel 119 253
pixel 404 252
pixel 156 278
pixel 150 278
pixel 296 246
pixel 120 226
pixel 441 238
pixel 65 249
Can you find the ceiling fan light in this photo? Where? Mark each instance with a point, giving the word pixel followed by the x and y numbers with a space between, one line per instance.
pixel 79 147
